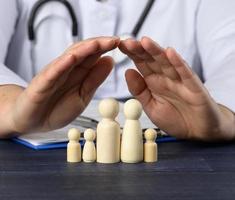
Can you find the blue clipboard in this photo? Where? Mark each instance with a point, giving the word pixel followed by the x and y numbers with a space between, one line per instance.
pixel 58 145
pixel 61 145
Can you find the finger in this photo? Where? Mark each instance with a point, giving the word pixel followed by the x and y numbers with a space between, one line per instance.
pixel 161 60
pixel 75 45
pixel 46 79
pixel 135 48
pixel 96 77
pixel 123 49
pixel 138 87
pixel 144 67
pixel 82 69
pixel 96 45
pixel 76 56
pixel 79 73
pixel 90 61
pixel 139 62
pixel 187 76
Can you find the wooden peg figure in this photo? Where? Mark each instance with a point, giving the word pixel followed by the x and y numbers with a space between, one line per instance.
pixel 89 151
pixel 132 136
pixel 108 133
pixel 150 146
pixel 74 147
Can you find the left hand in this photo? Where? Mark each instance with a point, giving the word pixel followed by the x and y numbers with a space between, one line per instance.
pixel 172 95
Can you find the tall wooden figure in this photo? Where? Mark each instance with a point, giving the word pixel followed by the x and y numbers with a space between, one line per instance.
pixel 132 136
pixel 89 151
pixel 150 146
pixel 74 147
pixel 108 133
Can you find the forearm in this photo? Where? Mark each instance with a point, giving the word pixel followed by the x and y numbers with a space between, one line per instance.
pixel 8 96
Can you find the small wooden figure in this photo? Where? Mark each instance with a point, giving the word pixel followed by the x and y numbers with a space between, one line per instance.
pixel 74 147
pixel 150 146
pixel 132 138
pixel 89 151
pixel 108 133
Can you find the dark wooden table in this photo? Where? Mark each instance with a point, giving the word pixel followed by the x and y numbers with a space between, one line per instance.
pixel 185 170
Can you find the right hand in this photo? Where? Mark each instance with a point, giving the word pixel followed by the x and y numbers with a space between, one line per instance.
pixel 62 90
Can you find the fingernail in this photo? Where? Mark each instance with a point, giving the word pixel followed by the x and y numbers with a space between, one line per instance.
pixel 173 49
pixel 144 37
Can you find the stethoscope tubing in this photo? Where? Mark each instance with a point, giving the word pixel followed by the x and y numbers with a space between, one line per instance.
pixel 38 5
pixel 118 56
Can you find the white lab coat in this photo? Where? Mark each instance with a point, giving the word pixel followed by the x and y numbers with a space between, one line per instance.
pixel 202 31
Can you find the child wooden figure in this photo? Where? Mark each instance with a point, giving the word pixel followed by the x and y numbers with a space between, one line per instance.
pixel 74 147
pixel 150 146
pixel 89 151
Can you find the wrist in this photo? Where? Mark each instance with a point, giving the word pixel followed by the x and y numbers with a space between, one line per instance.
pixel 8 97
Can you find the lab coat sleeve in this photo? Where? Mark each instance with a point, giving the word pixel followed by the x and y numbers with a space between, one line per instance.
pixel 216 44
pixel 8 18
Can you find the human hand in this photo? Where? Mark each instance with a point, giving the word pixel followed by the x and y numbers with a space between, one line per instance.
pixel 172 95
pixel 62 90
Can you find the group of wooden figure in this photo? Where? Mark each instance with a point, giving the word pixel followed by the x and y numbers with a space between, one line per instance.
pixel 111 145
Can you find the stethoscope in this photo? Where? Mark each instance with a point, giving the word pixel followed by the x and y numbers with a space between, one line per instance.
pixel 117 55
